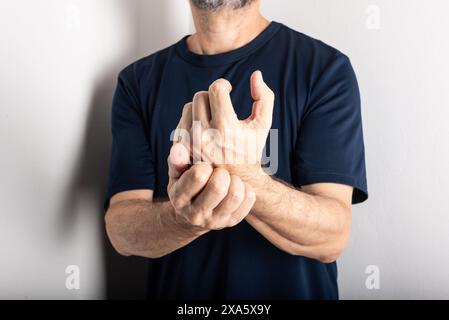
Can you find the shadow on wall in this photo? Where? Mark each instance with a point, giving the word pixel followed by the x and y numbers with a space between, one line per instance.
pixel 125 277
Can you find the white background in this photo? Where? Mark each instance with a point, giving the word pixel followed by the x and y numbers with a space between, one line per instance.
pixel 58 64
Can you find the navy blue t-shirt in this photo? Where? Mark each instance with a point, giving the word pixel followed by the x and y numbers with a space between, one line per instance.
pixel 317 114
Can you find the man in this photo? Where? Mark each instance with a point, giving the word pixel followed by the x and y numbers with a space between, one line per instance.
pixel 229 230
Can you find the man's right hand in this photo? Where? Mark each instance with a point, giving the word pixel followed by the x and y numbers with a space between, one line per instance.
pixel 206 198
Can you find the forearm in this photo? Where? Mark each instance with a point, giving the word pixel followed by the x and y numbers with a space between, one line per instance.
pixel 300 223
pixel 148 229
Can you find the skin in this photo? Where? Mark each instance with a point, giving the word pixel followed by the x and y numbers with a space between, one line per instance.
pixel 201 199
pixel 313 221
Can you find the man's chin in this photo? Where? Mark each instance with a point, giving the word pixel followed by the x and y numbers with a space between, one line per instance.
pixel 213 5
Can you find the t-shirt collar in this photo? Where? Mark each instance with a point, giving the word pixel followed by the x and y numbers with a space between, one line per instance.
pixel 230 56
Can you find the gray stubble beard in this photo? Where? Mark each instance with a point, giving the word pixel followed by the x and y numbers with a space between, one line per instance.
pixel 213 5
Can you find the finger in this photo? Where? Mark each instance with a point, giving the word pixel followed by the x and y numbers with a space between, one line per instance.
pixel 190 184
pixel 186 120
pixel 184 125
pixel 214 191
pixel 263 98
pixel 233 200
pixel 245 207
pixel 201 119
pixel 201 108
pixel 220 100
pixel 178 160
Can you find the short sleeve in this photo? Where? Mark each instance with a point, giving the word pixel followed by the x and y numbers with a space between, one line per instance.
pixel 330 146
pixel 131 163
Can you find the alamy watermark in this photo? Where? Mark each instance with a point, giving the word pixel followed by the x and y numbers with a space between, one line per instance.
pixel 73 279
pixel 372 281
pixel 239 146
pixel 72 18
pixel 373 20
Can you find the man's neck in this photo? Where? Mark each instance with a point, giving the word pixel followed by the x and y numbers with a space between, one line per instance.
pixel 225 29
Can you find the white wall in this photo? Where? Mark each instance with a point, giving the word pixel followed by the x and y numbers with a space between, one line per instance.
pixel 403 70
pixel 59 60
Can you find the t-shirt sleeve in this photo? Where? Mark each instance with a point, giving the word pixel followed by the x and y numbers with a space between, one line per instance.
pixel 131 163
pixel 330 147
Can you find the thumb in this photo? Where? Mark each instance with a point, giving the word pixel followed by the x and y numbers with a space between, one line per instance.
pixel 263 98
pixel 178 160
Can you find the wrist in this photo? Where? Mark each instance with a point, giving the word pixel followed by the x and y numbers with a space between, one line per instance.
pixel 182 223
pixel 251 174
pixel 259 180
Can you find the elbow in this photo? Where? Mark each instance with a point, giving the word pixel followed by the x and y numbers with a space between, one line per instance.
pixel 332 251
pixel 336 244
pixel 327 252
pixel 330 257
pixel 120 240
pixel 323 254
pixel 111 231
pixel 154 255
pixel 121 252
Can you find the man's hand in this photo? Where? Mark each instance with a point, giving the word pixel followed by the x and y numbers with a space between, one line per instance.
pixel 201 199
pixel 219 137
pixel 206 198
pixel 313 221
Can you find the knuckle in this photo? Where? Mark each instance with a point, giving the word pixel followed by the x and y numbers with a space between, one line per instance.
pixel 237 188
pixel 195 219
pixel 219 85
pixel 214 225
pixel 197 208
pixel 209 225
pixel 221 181
pixel 218 187
pixel 178 203
pixel 200 95
pixel 199 175
pixel 236 196
pixel 222 174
